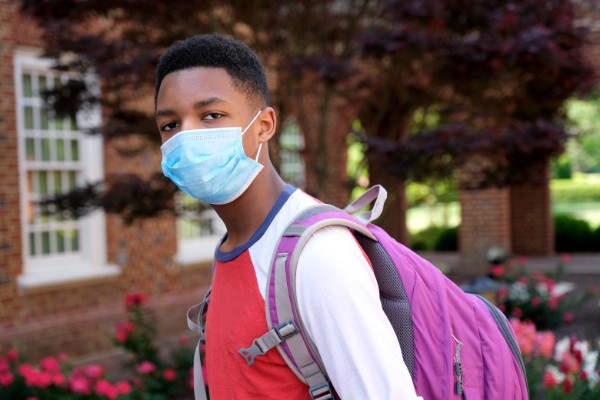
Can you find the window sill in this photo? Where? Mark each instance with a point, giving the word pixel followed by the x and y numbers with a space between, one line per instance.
pixel 200 251
pixel 66 277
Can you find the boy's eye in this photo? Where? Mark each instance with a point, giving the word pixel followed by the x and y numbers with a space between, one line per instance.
pixel 169 126
pixel 213 115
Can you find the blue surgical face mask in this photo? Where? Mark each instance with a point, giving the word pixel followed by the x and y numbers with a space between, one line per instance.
pixel 210 164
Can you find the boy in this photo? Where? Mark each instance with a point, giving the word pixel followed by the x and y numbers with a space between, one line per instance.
pixel 213 114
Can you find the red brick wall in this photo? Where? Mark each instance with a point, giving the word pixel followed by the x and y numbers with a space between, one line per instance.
pixel 485 216
pixel 79 318
pixel 532 225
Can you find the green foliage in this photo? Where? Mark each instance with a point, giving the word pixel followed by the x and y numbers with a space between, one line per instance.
pixel 583 118
pixel 574 191
pixel 435 238
pixel 574 235
pixel 447 240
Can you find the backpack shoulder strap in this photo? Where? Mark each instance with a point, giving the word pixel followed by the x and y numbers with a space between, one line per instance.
pixel 287 331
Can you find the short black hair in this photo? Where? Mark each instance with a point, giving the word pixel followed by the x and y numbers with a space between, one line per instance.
pixel 216 51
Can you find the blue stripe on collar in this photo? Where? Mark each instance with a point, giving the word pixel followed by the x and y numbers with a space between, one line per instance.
pixel 230 255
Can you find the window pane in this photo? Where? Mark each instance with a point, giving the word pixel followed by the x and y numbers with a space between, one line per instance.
pixel 57 182
pixel 45 242
pixel 60 149
pixel 28 111
pixel 74 150
pixel 72 180
pixel 74 234
pixel 74 123
pixel 30 149
pixel 44 124
pixel 60 241
pixel 45 149
pixel 43 182
pixel 27 88
pixel 58 124
pixel 43 84
pixel 31 244
pixel 42 214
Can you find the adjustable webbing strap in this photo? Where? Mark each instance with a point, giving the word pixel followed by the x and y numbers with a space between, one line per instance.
pixel 195 321
pixel 269 340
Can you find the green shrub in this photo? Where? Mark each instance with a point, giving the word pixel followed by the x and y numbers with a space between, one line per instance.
pixel 435 238
pixel 426 238
pixel 573 191
pixel 573 235
pixel 447 240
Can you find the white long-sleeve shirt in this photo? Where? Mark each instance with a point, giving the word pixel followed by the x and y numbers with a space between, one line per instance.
pixel 339 302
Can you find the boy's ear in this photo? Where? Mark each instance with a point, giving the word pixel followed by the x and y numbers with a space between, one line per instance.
pixel 268 124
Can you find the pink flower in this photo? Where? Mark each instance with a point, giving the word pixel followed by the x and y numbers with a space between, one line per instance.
pixel 497 270
pixel 525 333
pixel 93 371
pixel 123 387
pixel 535 301
pixel 12 355
pixel 135 299
pixel 124 329
pixel 568 317
pixel 4 366
pixel 49 364
pixel 544 343
pixel 59 379
pixel 553 302
pixel 146 367
pixel 169 375
pixel 522 260
pixel 567 385
pixel 517 312
pixel 6 378
pixel 184 340
pixel 104 388
pixel 79 385
pixel 549 380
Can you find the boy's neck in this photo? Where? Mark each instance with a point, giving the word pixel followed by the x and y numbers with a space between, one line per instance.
pixel 243 216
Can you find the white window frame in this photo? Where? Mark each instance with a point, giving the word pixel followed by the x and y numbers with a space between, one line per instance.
pixel 199 249
pixel 291 146
pixel 90 263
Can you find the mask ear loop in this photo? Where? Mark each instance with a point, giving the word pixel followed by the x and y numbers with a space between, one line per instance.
pixel 249 125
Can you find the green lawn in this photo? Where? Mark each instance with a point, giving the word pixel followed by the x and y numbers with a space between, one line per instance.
pixel 419 218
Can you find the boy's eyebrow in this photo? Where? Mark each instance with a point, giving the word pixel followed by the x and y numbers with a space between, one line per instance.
pixel 164 113
pixel 199 104
pixel 208 102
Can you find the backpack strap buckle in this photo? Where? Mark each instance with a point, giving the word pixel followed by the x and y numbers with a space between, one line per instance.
pixel 266 342
pixel 321 391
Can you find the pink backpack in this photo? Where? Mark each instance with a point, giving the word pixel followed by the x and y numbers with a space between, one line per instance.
pixel 455 345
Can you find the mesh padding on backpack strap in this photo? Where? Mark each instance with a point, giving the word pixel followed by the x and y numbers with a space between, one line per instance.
pixel 312 211
pixel 393 298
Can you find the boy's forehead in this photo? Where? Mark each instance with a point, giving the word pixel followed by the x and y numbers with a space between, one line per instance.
pixel 198 83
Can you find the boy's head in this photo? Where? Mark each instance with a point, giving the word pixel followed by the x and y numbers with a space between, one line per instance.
pixel 216 51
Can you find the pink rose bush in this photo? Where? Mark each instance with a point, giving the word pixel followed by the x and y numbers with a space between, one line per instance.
pixel 53 378
pixel 149 373
pixel 564 369
pixel 539 297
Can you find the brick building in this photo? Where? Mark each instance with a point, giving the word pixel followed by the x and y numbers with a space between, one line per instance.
pixel 62 282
